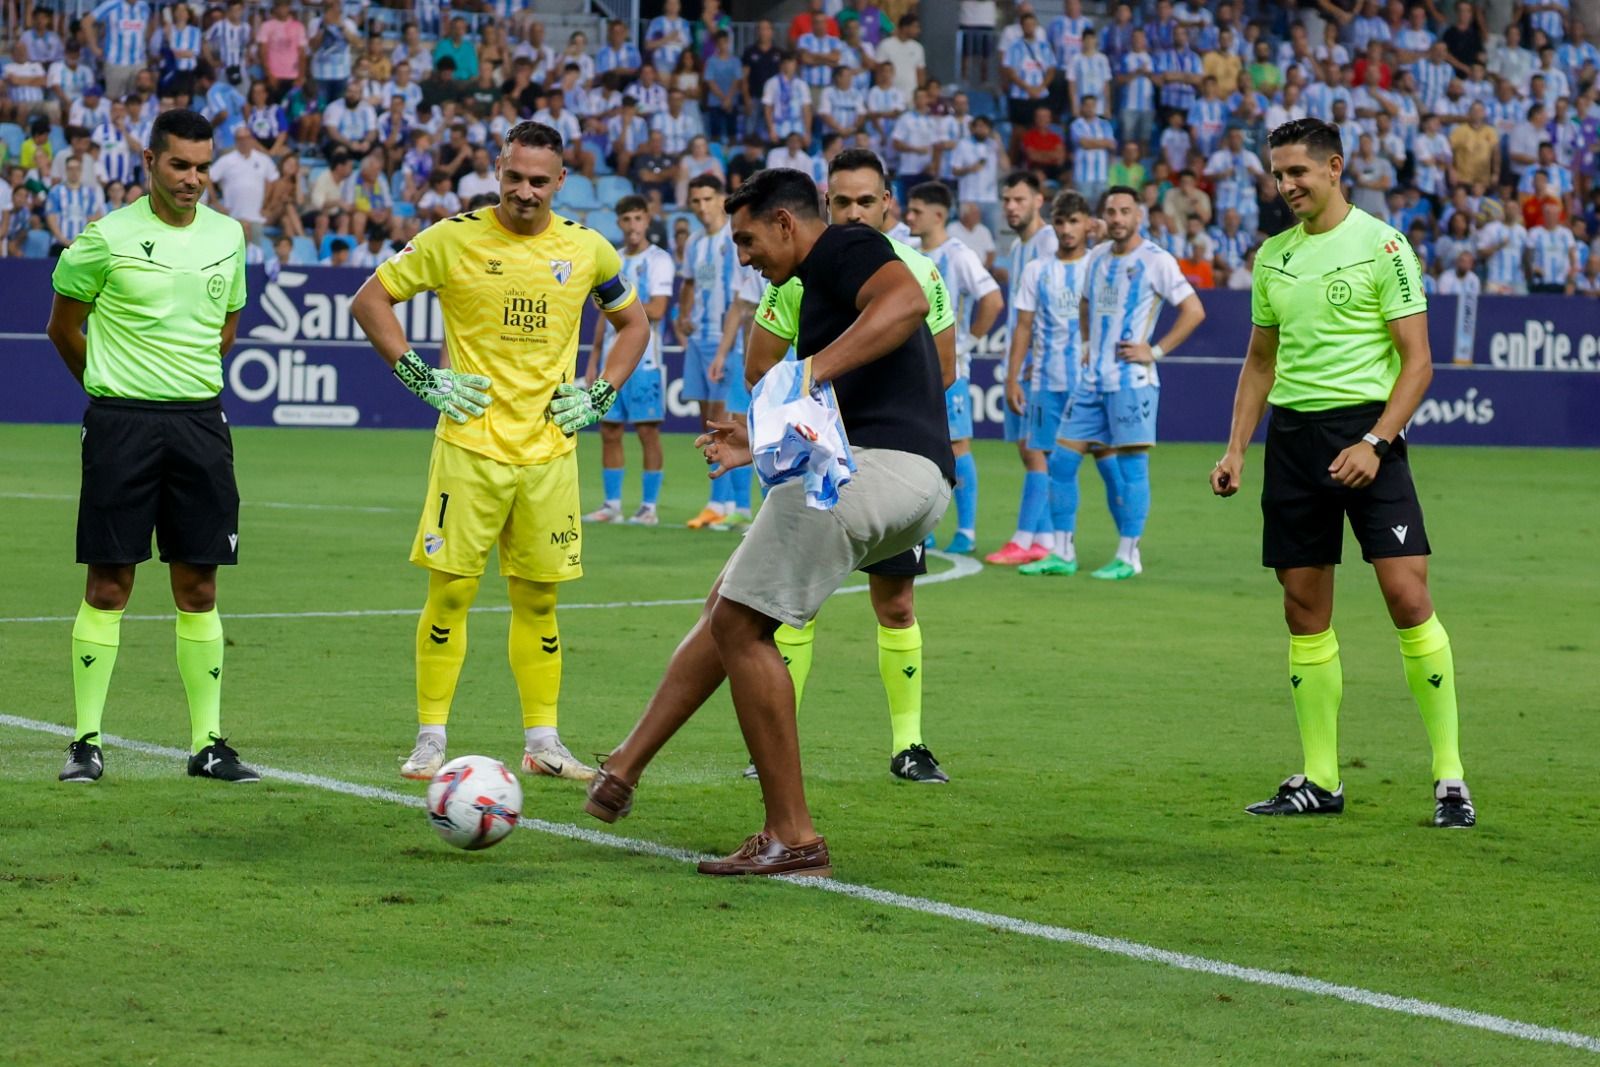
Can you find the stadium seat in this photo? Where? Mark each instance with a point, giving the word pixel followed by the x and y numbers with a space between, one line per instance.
pixel 12 136
pixel 720 151
pixel 304 250
pixel 37 245
pixel 58 140
pixel 612 188
pixel 604 222
pixel 578 194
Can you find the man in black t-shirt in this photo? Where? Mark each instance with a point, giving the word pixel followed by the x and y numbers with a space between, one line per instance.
pixel 862 330
pixel 760 62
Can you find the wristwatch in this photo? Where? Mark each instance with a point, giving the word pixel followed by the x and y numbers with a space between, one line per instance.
pixel 1379 445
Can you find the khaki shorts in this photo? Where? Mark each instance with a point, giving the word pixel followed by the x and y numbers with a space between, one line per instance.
pixel 475 502
pixel 794 557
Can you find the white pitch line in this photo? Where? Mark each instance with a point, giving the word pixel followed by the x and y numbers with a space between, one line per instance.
pixel 281 505
pixel 1115 946
pixel 960 567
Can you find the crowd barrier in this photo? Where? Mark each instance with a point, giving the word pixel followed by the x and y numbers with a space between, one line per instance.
pixel 1509 370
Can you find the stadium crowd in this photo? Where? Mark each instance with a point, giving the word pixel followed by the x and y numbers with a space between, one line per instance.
pixel 343 127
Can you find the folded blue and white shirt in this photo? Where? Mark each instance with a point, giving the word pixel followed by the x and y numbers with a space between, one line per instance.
pixel 796 432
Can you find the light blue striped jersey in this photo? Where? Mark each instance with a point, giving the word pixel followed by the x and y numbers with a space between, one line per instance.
pixel 331 59
pixel 1183 61
pixel 625 58
pixel 1031 61
pixel 1091 166
pixel 665 56
pixel 1500 246
pixel 1553 23
pixel 710 262
pixel 651 274
pixel 817 75
pixel 1138 93
pixel 186 39
pixel 1125 294
pixel 1092 75
pixel 1551 250
pixel 1066 34
pixel 75 207
pixel 123 27
pixel 230 41
pixel 1051 289
pixel 967 283
pixel 1207 121
pixel 1042 243
pixel 676 130
pixel 117 162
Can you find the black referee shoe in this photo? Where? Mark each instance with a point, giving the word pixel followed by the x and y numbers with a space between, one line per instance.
pixel 1299 795
pixel 217 760
pixel 84 763
pixel 1452 805
pixel 916 764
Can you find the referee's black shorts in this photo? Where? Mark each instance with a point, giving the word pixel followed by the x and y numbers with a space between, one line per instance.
pixel 1304 509
pixel 157 466
pixel 912 563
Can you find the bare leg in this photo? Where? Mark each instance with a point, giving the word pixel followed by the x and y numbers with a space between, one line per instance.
pixel 1307 599
pixel 1404 581
pixel 194 588
pixel 693 674
pixel 650 443
pixel 108 586
pixel 763 696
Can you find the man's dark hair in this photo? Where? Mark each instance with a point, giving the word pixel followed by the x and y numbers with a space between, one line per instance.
pixel 769 190
pixel 1069 202
pixel 1320 138
pixel 631 202
pixel 532 134
pixel 1023 177
pixel 936 193
pixel 444 63
pixel 908 20
pixel 706 181
pixel 181 123
pixel 1118 190
pixel 857 159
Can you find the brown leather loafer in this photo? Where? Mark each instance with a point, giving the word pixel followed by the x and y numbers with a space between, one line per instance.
pixel 764 854
pixel 610 798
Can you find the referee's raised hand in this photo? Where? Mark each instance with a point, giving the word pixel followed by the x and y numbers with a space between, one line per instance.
pixel 457 397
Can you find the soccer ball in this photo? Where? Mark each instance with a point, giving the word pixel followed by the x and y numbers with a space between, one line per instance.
pixel 474 802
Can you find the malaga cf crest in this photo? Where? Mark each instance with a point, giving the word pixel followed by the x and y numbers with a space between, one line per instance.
pixel 562 269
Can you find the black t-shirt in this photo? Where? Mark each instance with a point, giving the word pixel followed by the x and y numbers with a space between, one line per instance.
pixel 763 64
pixel 1466 45
pixel 897 400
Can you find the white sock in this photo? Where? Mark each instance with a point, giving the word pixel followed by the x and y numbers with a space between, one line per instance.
pixel 1064 546
pixel 651 508
pixel 970 535
pixel 534 737
pixel 1022 538
pixel 431 731
pixel 721 507
pixel 614 505
pixel 743 511
pixel 1128 550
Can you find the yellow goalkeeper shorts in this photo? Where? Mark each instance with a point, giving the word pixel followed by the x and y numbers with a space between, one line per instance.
pixel 475 502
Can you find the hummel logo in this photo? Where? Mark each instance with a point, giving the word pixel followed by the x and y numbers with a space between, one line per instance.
pixel 86 660
pixel 1295 680
pixel 149 248
pixel 493 267
pixel 1436 680
pixel 1400 533
pixel 215 672
pixel 909 672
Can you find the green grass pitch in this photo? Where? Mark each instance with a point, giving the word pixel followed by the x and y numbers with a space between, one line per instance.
pixel 1102 737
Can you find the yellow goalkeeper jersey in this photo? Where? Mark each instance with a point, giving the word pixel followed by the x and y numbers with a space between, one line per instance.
pixel 513 308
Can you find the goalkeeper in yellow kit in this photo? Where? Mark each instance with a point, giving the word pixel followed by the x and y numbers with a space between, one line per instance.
pixel 512 281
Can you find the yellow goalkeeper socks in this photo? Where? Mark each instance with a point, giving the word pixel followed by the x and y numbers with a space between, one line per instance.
pixel 95 637
pixel 535 650
pixel 900 667
pixel 1431 674
pixel 442 644
pixel 1318 685
pixel 795 647
pixel 200 666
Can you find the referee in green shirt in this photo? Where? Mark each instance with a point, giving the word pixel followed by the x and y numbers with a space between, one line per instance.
pixel 160 284
pixel 1340 350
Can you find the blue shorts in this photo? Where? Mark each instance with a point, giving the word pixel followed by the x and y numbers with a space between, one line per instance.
pixel 1121 419
pixel 958 409
pixel 642 398
pixel 738 393
pixel 1044 417
pixel 1016 426
pixel 697 359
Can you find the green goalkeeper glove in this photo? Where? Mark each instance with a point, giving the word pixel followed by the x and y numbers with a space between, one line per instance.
pixel 575 407
pixel 455 396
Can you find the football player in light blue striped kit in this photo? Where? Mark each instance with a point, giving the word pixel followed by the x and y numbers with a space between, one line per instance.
pixel 1113 405
pixel 710 266
pixel 1048 302
pixel 120 41
pixel 1021 198
pixel 977 306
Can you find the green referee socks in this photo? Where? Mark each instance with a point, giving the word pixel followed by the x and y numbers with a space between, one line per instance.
pixel 900 667
pixel 1431 674
pixel 1318 685
pixel 95 636
pixel 200 667
pixel 795 648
